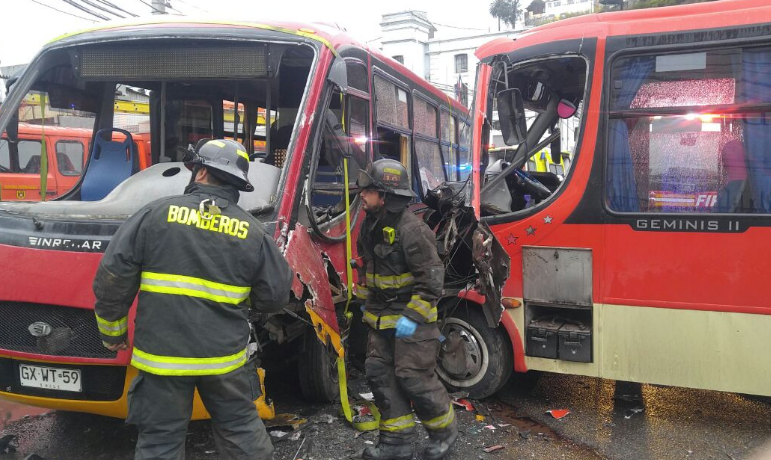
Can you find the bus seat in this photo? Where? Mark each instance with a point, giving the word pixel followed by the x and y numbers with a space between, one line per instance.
pixel 33 165
pixel 111 163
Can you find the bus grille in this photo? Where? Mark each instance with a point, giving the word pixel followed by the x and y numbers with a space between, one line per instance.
pixel 74 332
pixel 100 383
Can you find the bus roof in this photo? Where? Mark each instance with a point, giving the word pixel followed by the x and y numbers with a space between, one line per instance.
pixel 329 35
pixel 697 16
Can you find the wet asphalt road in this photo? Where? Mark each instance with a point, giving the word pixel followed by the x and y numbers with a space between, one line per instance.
pixel 607 420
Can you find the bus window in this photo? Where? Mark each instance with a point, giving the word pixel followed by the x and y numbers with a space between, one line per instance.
pixel 679 156
pixel 392 103
pixel 430 163
pixel 449 141
pixel 464 154
pixel 549 88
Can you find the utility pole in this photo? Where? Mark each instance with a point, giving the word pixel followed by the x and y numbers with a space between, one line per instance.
pixel 159 6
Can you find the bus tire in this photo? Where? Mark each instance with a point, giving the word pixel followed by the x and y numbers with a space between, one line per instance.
pixel 317 370
pixel 474 358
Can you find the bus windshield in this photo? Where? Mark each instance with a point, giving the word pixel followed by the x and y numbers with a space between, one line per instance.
pixel 147 106
pixel 527 173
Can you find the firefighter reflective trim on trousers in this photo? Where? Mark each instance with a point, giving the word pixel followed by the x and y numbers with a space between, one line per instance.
pixel 163 283
pixel 381 322
pixel 443 421
pixel 398 424
pixel 423 308
pixel 112 328
pixel 362 292
pixel 177 366
pixel 390 281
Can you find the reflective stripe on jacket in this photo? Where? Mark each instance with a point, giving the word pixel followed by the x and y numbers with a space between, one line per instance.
pixel 196 276
pixel 402 277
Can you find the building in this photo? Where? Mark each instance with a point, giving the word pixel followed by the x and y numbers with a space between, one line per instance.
pixel 443 56
pixel 544 11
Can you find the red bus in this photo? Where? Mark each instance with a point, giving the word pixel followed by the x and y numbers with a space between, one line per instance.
pixel 646 263
pixel 310 94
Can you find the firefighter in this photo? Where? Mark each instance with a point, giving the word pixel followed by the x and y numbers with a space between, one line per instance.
pixel 199 263
pixel 402 281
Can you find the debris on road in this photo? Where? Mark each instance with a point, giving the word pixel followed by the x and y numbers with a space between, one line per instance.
pixel 285 422
pixel 558 413
pixel 631 412
pixel 479 418
pixel 462 402
pixel 493 448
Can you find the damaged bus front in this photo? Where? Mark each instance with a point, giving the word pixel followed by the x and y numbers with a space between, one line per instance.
pixel 307 102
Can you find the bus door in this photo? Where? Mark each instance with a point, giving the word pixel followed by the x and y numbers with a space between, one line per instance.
pixel 688 185
pixel 553 261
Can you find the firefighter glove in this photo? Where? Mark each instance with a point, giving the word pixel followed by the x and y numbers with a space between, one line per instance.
pixel 405 327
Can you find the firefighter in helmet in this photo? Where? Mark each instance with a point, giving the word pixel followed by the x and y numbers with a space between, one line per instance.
pixel 401 279
pixel 199 262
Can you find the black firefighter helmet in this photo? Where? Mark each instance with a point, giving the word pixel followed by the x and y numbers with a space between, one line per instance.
pixel 387 176
pixel 227 158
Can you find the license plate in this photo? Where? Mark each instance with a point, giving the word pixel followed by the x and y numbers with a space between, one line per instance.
pixel 50 378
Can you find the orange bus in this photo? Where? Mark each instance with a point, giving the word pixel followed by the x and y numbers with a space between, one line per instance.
pixel 66 149
pixel 312 101
pixel 647 262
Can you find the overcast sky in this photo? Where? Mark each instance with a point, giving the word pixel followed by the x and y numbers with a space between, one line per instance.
pixel 26 25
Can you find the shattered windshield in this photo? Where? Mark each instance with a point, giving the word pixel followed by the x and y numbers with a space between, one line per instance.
pixel 113 123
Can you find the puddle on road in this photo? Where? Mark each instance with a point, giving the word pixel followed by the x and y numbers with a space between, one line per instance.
pixel 11 412
pixel 508 414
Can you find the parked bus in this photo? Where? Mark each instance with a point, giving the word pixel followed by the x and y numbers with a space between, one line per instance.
pixel 328 100
pixel 647 262
pixel 20 172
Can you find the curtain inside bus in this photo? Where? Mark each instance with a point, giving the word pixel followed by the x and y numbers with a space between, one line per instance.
pixel 756 67
pixel 621 184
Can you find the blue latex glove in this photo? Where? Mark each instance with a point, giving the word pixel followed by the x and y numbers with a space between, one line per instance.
pixel 405 327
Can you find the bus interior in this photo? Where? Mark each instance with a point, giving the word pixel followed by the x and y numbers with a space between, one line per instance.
pixel 174 94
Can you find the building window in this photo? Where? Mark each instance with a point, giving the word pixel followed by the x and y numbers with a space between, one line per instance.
pixel 399 58
pixel 461 63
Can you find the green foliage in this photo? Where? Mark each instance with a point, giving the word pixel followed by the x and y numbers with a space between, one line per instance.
pixel 658 3
pixel 506 11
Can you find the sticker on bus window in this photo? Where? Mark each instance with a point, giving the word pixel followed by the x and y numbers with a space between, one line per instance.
pixel 677 62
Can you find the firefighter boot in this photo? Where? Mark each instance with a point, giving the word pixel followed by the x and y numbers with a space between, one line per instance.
pixel 388 452
pixel 439 442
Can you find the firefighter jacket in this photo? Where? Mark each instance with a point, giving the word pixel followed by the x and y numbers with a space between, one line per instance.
pixel 403 272
pixel 197 273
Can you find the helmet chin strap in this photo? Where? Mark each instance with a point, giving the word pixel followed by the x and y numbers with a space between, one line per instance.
pixel 194 174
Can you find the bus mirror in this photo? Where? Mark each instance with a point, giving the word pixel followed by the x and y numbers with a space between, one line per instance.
pixel 511 114
pixel 338 75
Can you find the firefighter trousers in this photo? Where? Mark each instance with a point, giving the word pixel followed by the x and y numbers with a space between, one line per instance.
pixel 403 370
pixel 161 408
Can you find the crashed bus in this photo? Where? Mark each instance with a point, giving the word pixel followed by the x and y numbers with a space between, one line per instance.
pixel 307 102
pixel 646 263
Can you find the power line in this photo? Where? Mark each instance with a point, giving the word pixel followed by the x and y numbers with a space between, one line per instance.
pixel 105 2
pixel 101 8
pixel 63 12
pixel 199 9
pixel 84 9
pixel 456 27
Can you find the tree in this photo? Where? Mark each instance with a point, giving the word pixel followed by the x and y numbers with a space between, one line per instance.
pixel 506 10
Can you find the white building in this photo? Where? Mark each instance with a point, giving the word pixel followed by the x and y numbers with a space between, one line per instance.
pixel 440 55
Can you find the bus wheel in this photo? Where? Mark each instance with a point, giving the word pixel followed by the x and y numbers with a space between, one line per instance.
pixel 317 369
pixel 474 358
